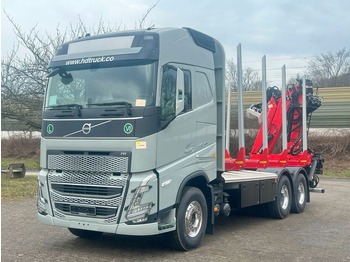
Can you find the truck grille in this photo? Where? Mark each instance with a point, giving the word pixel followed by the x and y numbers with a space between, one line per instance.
pixel 117 201
pixel 89 163
pixel 99 212
pixel 97 191
pixel 72 177
pixel 87 186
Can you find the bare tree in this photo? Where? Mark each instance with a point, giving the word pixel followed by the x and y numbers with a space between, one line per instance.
pixel 331 69
pixel 144 17
pixel 22 90
pixel 231 75
pixel 295 79
pixel 251 79
pixel 23 80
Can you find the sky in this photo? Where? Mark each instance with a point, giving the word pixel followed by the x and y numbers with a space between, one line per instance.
pixel 287 32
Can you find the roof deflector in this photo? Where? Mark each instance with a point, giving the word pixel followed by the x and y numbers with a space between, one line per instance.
pixel 202 40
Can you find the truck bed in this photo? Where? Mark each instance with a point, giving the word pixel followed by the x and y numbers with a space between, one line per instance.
pixel 246 176
pixel 249 188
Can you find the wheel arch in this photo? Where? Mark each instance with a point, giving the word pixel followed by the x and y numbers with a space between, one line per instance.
pixel 280 172
pixel 200 180
pixel 275 208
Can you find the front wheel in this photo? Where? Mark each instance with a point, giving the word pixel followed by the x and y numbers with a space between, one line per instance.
pixel 191 220
pixel 280 208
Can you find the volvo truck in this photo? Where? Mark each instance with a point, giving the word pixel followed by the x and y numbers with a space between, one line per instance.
pixel 133 140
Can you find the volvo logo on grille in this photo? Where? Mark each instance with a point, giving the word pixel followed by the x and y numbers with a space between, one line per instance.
pixel 86 128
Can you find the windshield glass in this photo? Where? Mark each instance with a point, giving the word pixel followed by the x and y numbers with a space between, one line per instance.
pixel 133 85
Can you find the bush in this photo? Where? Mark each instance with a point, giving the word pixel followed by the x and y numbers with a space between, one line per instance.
pixel 331 146
pixel 20 147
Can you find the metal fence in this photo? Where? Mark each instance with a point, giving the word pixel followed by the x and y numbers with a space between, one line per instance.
pixel 334 112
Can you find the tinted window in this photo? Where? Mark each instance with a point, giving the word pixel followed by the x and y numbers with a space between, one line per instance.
pixel 168 92
pixel 202 93
pixel 188 90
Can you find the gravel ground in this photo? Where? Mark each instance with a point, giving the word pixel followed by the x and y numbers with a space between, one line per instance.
pixel 321 233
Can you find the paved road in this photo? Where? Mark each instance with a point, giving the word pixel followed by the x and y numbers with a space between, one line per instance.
pixel 321 233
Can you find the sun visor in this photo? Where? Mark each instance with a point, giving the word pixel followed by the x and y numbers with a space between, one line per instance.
pixel 107 49
pixel 102 44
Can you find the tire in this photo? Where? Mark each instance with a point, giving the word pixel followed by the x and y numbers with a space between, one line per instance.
pixel 84 233
pixel 191 217
pixel 280 208
pixel 300 194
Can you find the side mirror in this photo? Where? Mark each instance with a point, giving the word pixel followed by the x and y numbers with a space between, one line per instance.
pixel 180 95
pixel 66 78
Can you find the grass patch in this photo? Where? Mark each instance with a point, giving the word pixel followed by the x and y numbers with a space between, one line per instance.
pixel 19 188
pixel 337 175
pixel 336 168
pixel 30 163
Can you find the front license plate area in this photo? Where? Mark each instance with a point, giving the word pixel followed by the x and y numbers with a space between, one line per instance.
pixel 81 210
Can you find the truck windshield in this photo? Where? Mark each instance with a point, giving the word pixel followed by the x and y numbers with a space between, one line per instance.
pixel 112 86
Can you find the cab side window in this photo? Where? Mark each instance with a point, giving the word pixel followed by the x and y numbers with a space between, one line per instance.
pixel 202 93
pixel 188 90
pixel 168 93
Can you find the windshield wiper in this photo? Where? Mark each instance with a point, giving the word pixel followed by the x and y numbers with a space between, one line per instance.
pixel 120 103
pixel 76 106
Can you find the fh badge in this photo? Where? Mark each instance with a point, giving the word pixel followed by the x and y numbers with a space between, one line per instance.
pixel 128 128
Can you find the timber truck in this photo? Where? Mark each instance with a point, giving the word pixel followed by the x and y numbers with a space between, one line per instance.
pixel 133 139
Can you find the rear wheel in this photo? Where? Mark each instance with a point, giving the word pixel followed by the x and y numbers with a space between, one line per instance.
pixel 84 233
pixel 300 193
pixel 191 220
pixel 280 208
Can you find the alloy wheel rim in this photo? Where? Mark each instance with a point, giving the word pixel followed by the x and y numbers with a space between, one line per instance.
pixel 301 193
pixel 193 219
pixel 284 201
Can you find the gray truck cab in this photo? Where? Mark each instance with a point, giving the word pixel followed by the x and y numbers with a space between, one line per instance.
pixel 130 120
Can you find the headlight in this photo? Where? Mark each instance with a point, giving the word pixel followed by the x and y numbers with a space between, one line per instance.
pixel 137 212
